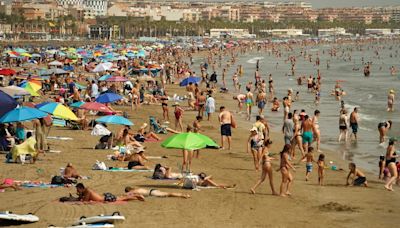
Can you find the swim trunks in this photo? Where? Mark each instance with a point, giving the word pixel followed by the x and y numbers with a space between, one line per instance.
pixel 307 137
pixel 309 167
pixel 226 130
pixel 359 181
pixel 261 104
pixel 354 127
pixel 108 197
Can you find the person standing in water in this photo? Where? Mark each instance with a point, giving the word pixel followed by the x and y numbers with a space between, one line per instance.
pixel 249 103
pixel 343 123
pixel 390 101
pixel 317 133
pixel 354 122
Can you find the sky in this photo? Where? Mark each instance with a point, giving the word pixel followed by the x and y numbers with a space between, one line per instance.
pixel 348 3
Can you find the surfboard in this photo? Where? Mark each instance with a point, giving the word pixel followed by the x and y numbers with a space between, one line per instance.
pixel 114 218
pixel 16 218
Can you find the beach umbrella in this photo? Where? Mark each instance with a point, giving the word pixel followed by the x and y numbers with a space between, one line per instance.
pixel 26 55
pixel 108 98
pixel 22 114
pixel 14 91
pixel 7 72
pixel 31 86
pixel 7 103
pixel 34 55
pixel 57 109
pixel 117 79
pixel 20 50
pixel 104 77
pixel 187 80
pixel 102 67
pixel 188 141
pixel 119 120
pixel 55 63
pixel 79 86
pixel 95 106
pixel 77 104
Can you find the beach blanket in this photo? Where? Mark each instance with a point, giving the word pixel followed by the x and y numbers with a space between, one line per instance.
pixel 59 138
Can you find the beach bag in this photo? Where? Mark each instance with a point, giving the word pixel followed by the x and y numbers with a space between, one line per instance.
pixel 58 180
pixel 99 166
pixel 190 182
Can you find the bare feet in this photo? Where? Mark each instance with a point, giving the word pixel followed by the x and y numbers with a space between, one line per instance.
pixel 252 191
pixel 389 189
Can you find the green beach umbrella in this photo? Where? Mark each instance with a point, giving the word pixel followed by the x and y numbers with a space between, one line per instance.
pixel 189 141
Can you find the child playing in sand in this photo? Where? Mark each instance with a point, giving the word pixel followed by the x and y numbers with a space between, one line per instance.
pixel 358 176
pixel 309 161
pixel 321 169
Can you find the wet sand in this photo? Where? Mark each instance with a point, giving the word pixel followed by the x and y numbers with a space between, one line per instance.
pixel 310 205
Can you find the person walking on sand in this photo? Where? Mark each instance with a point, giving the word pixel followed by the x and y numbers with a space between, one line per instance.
pixel 249 102
pixel 391 165
pixel 321 169
pixel 266 168
pixel 178 112
pixel 309 157
pixel 354 122
pixel 285 166
pixel 255 145
pixel 210 106
pixel 261 100
pixel 308 129
pixel 226 120
pixel 317 132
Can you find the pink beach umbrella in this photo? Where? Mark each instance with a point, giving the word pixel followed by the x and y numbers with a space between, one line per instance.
pixel 117 79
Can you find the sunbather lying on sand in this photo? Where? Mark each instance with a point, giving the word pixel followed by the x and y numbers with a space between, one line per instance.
pixel 9 183
pixel 153 192
pixel 87 195
pixel 164 172
pixel 207 181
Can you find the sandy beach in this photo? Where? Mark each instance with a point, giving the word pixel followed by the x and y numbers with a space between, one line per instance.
pixel 332 205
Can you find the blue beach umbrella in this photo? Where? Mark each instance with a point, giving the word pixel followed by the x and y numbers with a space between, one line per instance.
pixel 77 104
pixel 22 114
pixel 104 77
pixel 108 98
pixel 188 80
pixel 119 120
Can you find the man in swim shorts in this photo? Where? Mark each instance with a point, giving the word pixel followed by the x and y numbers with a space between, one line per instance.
pixel 225 119
pixel 308 128
pixel 354 122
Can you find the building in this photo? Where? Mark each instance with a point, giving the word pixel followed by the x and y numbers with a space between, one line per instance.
pixel 332 32
pixel 117 10
pixel 95 8
pixel 378 32
pixel 5 8
pixel 104 32
pixel 69 3
pixel 230 33
pixel 283 32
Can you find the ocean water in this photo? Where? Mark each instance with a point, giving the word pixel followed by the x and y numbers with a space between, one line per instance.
pixel 369 94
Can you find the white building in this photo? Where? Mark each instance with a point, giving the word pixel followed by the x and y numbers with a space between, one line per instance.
pixel 95 8
pixel 332 32
pixel 70 3
pixel 284 32
pixel 378 31
pixel 230 33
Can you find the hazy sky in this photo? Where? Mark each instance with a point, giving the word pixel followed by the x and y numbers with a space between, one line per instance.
pixel 348 3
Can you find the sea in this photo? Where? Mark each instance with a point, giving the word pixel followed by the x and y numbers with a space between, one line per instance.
pixel 369 94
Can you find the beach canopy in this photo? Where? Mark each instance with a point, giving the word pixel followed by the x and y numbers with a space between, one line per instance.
pixel 119 120
pixel 15 91
pixel 108 98
pixel 95 106
pixel 189 141
pixel 7 103
pixel 22 114
pixel 188 80
pixel 7 72
pixel 57 109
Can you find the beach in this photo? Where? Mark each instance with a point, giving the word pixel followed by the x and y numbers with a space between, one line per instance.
pixel 333 205
pixel 309 205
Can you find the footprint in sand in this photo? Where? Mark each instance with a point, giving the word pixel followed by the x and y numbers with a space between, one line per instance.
pixel 334 206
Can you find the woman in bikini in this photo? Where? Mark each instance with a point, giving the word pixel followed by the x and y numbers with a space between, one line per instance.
pixel 249 103
pixel 287 177
pixel 207 181
pixel 383 128
pixel 391 165
pixel 317 133
pixel 297 138
pixel 254 144
pixel 266 170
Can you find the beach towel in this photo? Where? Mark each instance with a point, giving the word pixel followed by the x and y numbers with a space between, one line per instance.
pixel 126 170
pixel 59 138
pixel 42 185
